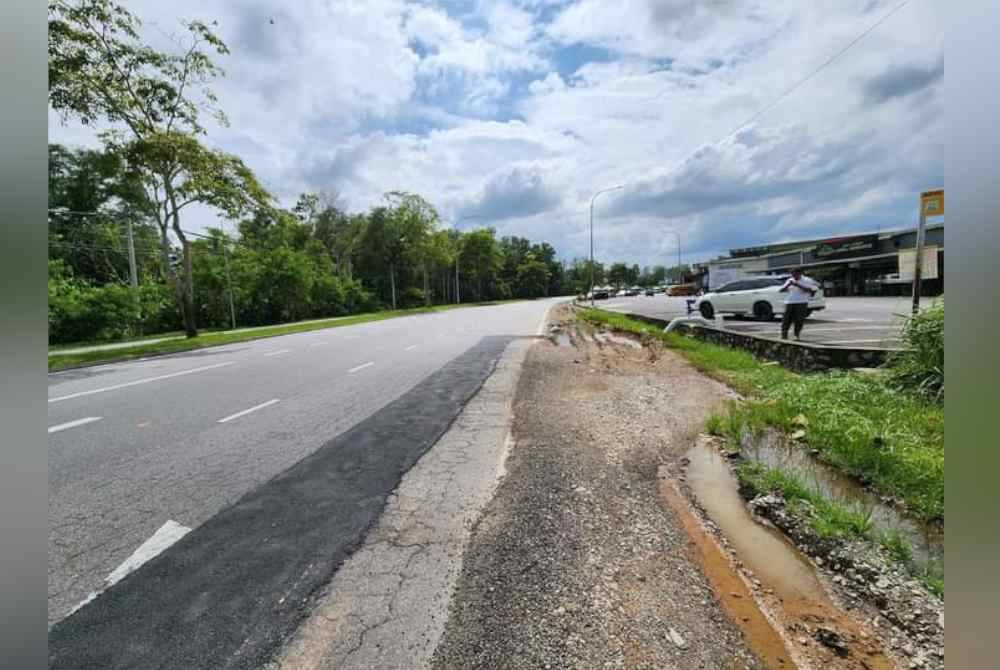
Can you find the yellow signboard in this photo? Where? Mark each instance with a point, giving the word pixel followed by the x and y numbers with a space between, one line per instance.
pixel 932 203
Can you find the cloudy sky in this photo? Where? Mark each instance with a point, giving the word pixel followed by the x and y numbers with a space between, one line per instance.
pixel 512 113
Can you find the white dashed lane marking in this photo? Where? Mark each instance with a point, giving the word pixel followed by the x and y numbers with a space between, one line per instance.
pixel 247 411
pixel 73 424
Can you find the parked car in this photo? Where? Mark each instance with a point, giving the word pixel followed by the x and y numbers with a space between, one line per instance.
pixel 682 289
pixel 650 292
pixel 601 293
pixel 757 296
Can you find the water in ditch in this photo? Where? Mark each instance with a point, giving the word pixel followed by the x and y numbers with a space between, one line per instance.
pixel 767 552
pixel 926 540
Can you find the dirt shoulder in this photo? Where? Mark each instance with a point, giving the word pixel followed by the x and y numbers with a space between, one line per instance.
pixel 577 562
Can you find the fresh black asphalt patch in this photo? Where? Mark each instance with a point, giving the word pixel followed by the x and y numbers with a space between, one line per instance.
pixel 231 592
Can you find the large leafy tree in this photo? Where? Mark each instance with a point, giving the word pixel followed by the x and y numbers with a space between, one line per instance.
pixel 480 257
pixel 150 104
pixel 90 201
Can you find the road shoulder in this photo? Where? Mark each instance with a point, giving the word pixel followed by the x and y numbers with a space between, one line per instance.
pixel 576 562
pixel 387 605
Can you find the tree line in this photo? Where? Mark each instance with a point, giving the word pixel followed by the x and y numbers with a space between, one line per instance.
pixel 268 264
pixel 274 265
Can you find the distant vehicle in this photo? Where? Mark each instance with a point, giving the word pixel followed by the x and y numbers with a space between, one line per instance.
pixel 759 296
pixel 682 289
pixel 650 291
pixel 633 291
pixel 601 293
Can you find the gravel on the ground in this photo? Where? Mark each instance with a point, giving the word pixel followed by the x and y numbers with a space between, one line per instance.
pixel 576 562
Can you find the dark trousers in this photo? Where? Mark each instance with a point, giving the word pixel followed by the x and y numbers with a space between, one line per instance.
pixel 794 314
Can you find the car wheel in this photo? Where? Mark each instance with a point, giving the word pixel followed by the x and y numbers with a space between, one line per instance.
pixel 707 310
pixel 808 313
pixel 763 311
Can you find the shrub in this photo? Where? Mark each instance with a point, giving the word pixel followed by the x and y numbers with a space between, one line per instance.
pixel 920 368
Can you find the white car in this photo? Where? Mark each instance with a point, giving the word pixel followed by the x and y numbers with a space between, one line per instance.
pixel 757 296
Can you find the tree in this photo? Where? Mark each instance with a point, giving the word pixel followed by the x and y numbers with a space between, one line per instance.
pixel 480 257
pixel 532 277
pixel 618 274
pixel 677 273
pixel 90 201
pixel 410 221
pixel 99 70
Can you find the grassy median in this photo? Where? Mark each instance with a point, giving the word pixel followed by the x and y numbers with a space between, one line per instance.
pixel 59 361
pixel 861 424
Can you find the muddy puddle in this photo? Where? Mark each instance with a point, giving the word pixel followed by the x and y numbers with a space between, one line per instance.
pixel 766 551
pixel 926 540
pixel 794 592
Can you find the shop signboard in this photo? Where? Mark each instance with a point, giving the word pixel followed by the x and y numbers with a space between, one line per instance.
pixel 932 202
pixel 846 247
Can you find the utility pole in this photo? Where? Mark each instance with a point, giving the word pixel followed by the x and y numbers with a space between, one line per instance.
pixel 229 284
pixel 133 273
pixel 931 202
pixel 678 236
pixel 594 197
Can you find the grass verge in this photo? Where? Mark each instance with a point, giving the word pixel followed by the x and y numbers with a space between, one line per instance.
pixel 861 424
pixel 827 518
pixel 831 519
pixel 59 361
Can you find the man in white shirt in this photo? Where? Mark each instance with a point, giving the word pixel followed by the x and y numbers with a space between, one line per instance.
pixel 799 289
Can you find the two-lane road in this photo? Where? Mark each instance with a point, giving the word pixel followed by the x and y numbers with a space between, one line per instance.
pixel 135 445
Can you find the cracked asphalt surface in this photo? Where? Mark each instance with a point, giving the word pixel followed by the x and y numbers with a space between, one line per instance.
pixel 112 483
pixel 387 605
pixel 576 562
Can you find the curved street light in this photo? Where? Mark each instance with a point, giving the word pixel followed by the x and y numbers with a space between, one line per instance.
pixel 594 197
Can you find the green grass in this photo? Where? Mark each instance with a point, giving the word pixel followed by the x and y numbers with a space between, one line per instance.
pixel 827 518
pixel 861 424
pixel 896 545
pixel 217 338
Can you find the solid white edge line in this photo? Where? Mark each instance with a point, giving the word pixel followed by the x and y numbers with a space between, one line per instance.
pixel 73 424
pixel 279 351
pixel 141 381
pixel 410 348
pixel 318 344
pixel 361 367
pixel 247 411
pixel 884 339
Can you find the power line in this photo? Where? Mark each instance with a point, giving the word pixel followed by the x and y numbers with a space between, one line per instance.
pixel 771 105
pixel 823 66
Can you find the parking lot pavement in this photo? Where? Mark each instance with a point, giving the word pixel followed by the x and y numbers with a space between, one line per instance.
pixel 847 322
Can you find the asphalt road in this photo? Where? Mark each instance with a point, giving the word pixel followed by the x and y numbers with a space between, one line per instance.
pixel 847 322
pixel 181 438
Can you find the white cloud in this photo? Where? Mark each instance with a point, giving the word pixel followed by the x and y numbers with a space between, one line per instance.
pixel 469 110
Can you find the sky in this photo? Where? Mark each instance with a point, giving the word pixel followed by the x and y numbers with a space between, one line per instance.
pixel 514 113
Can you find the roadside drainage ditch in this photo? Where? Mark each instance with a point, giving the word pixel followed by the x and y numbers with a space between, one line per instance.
pixel 926 540
pixel 787 586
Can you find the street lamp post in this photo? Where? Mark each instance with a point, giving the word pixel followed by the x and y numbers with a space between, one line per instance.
pixel 678 236
pixel 594 197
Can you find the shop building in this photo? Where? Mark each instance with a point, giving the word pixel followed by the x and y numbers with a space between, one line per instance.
pixel 872 264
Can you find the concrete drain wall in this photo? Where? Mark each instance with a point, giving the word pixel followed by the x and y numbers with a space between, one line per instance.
pixel 799 356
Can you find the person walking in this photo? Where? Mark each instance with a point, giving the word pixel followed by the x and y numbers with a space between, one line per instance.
pixel 799 289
